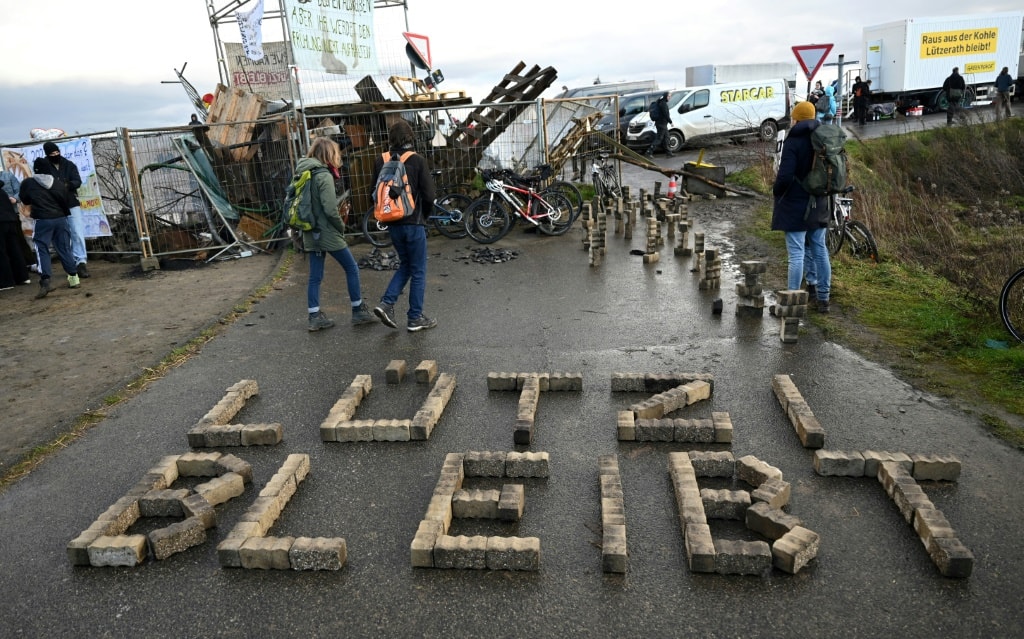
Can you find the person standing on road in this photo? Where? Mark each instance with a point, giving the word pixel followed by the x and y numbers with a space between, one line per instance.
pixel 799 214
pixel 47 200
pixel 66 171
pixel 328 235
pixel 662 118
pixel 409 235
pixel 954 87
pixel 860 100
pixel 1002 103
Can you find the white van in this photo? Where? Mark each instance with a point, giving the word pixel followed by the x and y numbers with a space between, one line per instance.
pixel 719 110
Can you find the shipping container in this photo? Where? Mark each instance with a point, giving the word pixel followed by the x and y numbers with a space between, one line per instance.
pixel 724 73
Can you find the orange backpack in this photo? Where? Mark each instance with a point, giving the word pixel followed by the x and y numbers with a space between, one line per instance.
pixel 392 197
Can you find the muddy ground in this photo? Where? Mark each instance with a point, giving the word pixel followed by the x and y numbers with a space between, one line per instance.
pixel 76 349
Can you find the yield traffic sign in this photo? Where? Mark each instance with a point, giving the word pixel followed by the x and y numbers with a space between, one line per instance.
pixel 421 45
pixel 811 57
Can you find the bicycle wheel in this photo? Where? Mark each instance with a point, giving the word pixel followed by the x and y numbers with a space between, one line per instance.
pixel 861 242
pixel 448 215
pixel 487 220
pixel 1011 305
pixel 834 234
pixel 375 232
pixel 557 212
pixel 571 193
pixel 611 181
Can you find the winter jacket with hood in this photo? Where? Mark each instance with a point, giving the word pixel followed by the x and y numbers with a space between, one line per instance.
pixel 420 182
pixel 328 232
pixel 64 170
pixel 46 195
pixel 831 113
pixel 795 209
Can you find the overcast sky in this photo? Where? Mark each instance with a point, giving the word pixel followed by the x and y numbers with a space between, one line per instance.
pixel 93 66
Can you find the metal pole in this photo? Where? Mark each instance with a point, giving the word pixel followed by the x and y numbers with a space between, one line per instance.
pixel 839 89
pixel 149 262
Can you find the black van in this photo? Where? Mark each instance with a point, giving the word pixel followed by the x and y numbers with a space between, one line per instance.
pixel 630 105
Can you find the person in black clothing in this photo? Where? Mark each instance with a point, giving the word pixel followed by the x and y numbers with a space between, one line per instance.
pixel 409 235
pixel 46 197
pixel 860 100
pixel 13 269
pixel 954 87
pixel 66 171
pixel 662 118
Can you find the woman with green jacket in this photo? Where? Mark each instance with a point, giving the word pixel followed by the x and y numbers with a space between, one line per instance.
pixel 328 235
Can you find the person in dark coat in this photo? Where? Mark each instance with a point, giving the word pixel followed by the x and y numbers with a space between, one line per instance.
pixel 46 197
pixel 954 86
pixel 65 170
pixel 803 217
pixel 13 268
pixel 409 236
pixel 662 118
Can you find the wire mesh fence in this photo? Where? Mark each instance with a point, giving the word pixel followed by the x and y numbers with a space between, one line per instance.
pixel 216 191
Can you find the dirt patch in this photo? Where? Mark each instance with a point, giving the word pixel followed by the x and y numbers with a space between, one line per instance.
pixel 64 354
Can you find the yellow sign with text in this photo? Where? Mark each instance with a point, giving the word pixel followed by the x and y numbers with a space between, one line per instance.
pixel 980 67
pixel 746 95
pixel 941 44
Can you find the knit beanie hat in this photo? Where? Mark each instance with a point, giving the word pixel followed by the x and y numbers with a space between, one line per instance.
pixel 50 147
pixel 802 111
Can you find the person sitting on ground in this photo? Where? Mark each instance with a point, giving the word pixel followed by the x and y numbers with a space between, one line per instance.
pixel 47 200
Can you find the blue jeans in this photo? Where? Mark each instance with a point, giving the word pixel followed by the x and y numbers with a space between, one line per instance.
pixel 77 226
pixel 316 275
pixel 410 241
pixel 815 244
pixel 58 232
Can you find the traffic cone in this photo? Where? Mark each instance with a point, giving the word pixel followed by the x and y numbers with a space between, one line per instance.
pixel 672 187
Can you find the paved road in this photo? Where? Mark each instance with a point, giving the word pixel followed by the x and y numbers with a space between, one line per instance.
pixel 547 310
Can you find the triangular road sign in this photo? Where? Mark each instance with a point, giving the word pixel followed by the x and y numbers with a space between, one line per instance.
pixel 811 57
pixel 421 44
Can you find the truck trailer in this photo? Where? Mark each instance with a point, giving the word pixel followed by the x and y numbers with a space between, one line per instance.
pixel 725 73
pixel 907 61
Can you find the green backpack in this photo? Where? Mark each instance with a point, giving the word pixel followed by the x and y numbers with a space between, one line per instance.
pixel 828 170
pixel 298 202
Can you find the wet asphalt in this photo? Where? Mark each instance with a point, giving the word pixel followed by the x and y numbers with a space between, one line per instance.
pixel 546 310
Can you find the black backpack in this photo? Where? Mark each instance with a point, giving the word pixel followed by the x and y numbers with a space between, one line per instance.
pixel 822 104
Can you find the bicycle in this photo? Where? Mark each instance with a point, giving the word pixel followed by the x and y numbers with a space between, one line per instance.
pixel 447 217
pixel 491 216
pixel 1011 305
pixel 605 177
pixel 842 229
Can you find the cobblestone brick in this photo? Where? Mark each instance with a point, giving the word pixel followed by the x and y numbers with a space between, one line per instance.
pixel 421 551
pixel 769 522
pixel 873 457
pixel 795 549
pixel 461 552
pixel 773 492
pixel 838 463
pixel 936 467
pixel 197 506
pixel 118 550
pixel 655 430
pixel 511 502
pixel 700 548
pixel 713 464
pixel 513 553
pixel 221 488
pixel 701 431
pixel 178 537
pixel 533 464
pixel 318 553
pixel 742 557
pixel 394 373
pixel 484 463
pixel 262 434
pixel 722 425
pixel 626 426
pixel 614 555
pixel 724 504
pixel 266 553
pixel 475 504
pixel 426 372
pixel 951 556
pixel 501 381
pixel 199 464
pixel 929 523
pixel 754 471
pixel 356 430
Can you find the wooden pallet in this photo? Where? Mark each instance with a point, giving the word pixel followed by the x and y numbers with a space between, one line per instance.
pixel 237 110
